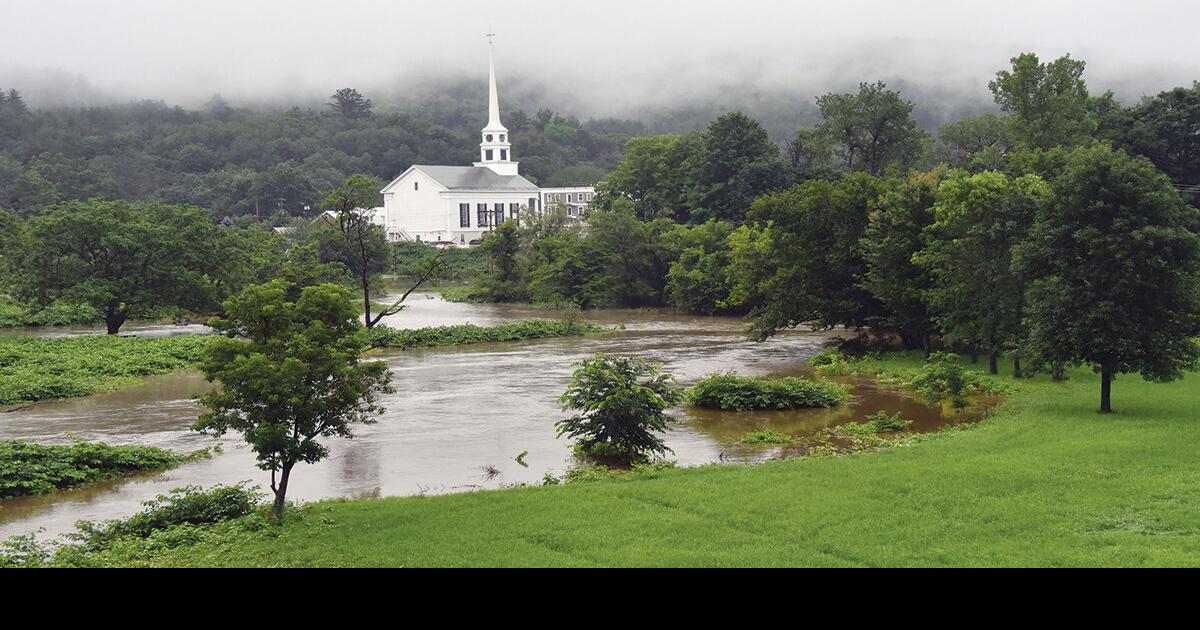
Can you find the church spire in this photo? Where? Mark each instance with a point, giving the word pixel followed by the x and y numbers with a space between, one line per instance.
pixel 493 98
pixel 495 151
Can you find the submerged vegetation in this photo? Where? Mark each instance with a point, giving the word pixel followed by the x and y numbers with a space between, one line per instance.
pixel 35 368
pixel 27 468
pixel 404 339
pixel 731 392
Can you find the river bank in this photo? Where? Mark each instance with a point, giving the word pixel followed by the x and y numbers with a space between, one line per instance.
pixel 1032 485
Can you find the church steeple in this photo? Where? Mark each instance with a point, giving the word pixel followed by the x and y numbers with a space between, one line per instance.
pixel 495 151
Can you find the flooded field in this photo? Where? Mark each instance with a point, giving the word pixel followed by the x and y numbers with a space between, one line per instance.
pixel 455 412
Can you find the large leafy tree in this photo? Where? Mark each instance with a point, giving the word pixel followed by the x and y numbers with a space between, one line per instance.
pixel 1049 102
pixel 122 258
pixel 976 295
pixel 697 279
pixel 871 129
pixel 737 164
pixel 896 233
pixel 1166 129
pixel 805 263
pixel 656 174
pixel 1114 265
pixel 506 281
pixel 290 375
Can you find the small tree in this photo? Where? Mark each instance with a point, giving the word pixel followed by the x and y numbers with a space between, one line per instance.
pixel 362 246
pixel 290 375
pixel 622 403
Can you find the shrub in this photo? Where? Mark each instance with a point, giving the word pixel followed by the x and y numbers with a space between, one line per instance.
pixel 881 422
pixel 27 468
pixel 622 403
pixel 942 377
pixel 731 392
pixel 190 505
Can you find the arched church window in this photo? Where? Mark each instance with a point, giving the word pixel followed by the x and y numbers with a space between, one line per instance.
pixel 488 138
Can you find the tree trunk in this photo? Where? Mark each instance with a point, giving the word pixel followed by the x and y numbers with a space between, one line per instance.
pixel 366 287
pixel 927 345
pixel 1017 365
pixel 281 491
pixel 114 318
pixel 974 355
pixel 1106 379
pixel 993 357
pixel 1057 374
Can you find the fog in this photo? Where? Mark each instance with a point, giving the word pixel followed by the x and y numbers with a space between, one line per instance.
pixel 610 58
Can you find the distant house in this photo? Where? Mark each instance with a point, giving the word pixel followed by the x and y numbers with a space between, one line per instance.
pixel 459 204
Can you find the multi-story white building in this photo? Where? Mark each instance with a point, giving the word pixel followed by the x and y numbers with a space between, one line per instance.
pixel 459 204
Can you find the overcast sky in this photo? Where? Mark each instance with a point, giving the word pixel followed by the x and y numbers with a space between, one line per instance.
pixel 613 54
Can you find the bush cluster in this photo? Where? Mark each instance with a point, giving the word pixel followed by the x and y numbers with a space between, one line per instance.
pixel 27 468
pixel 731 392
pixel 385 337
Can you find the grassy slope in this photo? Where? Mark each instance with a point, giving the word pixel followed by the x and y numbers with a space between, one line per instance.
pixel 1047 481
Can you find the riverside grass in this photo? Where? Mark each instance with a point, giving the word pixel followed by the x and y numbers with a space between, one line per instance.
pixel 34 369
pixel 1045 481
pixel 404 339
pixel 28 469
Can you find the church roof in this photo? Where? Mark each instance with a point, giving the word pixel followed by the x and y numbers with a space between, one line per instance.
pixel 475 178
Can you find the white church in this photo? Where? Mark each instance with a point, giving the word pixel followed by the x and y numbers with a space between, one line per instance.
pixel 459 204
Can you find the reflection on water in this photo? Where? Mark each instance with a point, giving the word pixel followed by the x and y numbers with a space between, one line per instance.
pixel 455 412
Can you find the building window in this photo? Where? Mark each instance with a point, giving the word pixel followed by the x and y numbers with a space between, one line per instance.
pixel 514 212
pixel 503 155
pixel 499 213
pixel 481 208
pixel 501 137
pixel 488 138
pixel 416 185
pixel 487 155
pixel 464 215
pixel 533 204
pixel 418 238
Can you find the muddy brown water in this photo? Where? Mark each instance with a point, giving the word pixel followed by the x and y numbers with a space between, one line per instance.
pixel 456 411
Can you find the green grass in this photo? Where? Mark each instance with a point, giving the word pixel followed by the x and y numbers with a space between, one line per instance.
pixel 37 368
pixel 1046 481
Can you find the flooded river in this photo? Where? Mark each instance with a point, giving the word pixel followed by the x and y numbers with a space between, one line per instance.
pixel 455 412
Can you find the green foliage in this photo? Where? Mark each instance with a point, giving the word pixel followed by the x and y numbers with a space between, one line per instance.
pixel 1166 130
pixel 411 258
pixel 737 164
pixel 432 337
pixel 621 405
pixel 804 262
pixel 976 294
pixel 697 279
pixel 768 437
pixel 869 131
pixel 976 143
pixel 944 378
pixel 882 422
pixel 122 258
pixel 507 282
pixel 27 468
pixel 35 368
pixel 1114 269
pixel 656 174
pixel 58 313
pixel 290 375
pixel 1048 101
pixel 731 392
pixel 189 505
pixel 894 234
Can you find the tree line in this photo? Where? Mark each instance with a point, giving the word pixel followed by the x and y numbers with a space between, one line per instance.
pixel 1057 231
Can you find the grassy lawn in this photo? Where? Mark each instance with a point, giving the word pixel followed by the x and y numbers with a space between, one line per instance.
pixel 1046 481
